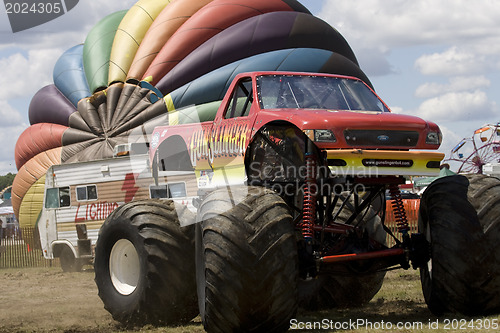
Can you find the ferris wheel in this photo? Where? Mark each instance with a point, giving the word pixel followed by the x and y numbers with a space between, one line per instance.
pixel 481 148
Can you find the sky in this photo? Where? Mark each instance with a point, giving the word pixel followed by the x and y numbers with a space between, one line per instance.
pixel 439 60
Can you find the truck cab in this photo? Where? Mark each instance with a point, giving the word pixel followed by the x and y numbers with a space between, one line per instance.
pixel 274 118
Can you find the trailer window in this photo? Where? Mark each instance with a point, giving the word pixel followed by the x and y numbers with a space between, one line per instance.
pixel 173 190
pixel 158 192
pixel 177 190
pixel 86 193
pixel 57 197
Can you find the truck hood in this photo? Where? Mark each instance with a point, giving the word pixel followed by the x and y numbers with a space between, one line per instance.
pixel 328 119
pixel 358 129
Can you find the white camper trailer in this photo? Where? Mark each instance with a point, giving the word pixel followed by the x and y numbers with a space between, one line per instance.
pixel 79 196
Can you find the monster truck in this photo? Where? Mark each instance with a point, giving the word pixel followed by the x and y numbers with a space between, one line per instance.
pixel 292 173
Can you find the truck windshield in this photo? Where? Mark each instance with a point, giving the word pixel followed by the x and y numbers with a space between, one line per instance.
pixel 316 92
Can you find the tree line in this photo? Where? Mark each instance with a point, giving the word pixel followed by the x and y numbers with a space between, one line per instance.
pixel 6 180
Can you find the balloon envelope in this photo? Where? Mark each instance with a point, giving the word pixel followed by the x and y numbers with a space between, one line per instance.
pixel 50 106
pixel 36 139
pixel 256 35
pixel 69 75
pixel 206 23
pixel 163 27
pixel 129 35
pixel 97 50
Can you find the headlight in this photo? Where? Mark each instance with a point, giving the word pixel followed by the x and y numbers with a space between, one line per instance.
pixel 433 138
pixel 321 135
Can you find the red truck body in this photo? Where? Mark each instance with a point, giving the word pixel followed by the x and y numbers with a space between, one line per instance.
pixel 224 141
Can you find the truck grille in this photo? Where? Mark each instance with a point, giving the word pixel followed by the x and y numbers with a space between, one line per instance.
pixel 381 138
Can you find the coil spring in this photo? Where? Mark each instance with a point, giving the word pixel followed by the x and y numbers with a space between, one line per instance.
pixel 309 206
pixel 399 209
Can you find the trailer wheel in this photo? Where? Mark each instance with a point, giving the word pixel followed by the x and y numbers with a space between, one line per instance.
pixel 452 278
pixel 350 285
pixel 247 266
pixel 69 263
pixel 144 264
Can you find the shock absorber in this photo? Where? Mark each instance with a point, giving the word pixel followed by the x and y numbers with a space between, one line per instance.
pixel 310 192
pixel 399 209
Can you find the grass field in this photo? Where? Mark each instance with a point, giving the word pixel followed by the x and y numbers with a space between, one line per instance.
pixel 48 300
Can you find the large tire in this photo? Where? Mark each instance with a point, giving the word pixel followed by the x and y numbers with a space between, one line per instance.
pixel 247 266
pixel 484 195
pixel 350 286
pixel 144 264
pixel 452 278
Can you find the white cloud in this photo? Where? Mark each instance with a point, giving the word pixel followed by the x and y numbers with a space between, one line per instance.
pixel 468 29
pixel 458 106
pixel 11 126
pixel 23 76
pixel 396 109
pixel 374 62
pixel 390 23
pixel 7 166
pixel 453 61
pixel 450 140
pixel 455 84
pixel 9 115
pixel 7 161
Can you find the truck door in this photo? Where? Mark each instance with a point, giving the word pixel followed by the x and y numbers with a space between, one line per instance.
pixel 55 198
pixel 231 131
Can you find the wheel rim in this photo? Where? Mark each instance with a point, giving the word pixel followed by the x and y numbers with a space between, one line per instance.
pixel 124 267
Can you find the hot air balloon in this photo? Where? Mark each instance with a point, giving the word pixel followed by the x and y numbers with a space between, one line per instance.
pixel 157 58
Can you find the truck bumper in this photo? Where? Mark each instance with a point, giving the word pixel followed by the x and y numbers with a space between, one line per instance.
pixel 372 163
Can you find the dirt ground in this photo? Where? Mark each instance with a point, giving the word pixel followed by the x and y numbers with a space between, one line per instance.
pixel 48 300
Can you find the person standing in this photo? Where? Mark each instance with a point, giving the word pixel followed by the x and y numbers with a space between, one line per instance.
pixel 3 228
